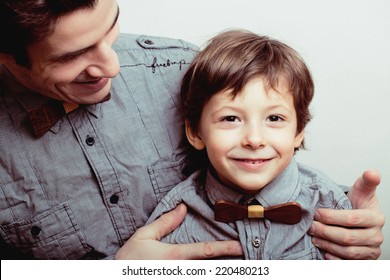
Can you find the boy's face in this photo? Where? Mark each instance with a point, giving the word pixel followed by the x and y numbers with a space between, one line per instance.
pixel 249 140
pixel 76 62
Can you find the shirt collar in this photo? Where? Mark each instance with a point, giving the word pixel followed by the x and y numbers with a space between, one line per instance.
pixel 282 189
pixel 29 99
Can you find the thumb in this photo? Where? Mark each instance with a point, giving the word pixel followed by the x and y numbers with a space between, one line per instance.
pixel 370 180
pixel 363 191
pixel 165 224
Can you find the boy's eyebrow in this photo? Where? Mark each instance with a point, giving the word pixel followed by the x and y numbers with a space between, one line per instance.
pixel 69 55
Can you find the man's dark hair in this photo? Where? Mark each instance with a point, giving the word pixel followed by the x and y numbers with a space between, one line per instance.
pixel 24 22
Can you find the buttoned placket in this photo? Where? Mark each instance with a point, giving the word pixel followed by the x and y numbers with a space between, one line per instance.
pixel 254 232
pixel 252 236
pixel 99 159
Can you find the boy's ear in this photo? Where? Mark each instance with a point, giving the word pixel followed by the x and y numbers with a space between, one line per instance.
pixel 299 138
pixel 193 137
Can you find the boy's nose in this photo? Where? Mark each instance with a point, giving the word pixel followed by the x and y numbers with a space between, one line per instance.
pixel 254 138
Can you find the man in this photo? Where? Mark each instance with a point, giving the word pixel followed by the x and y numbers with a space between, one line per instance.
pixel 85 157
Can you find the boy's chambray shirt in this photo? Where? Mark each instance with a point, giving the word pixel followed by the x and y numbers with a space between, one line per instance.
pixel 259 238
pixel 84 187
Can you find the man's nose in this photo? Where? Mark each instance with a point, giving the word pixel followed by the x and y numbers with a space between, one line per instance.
pixel 104 61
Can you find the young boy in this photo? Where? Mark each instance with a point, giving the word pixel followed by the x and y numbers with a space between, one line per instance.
pixel 245 102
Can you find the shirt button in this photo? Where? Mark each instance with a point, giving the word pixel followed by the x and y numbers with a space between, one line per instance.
pixel 256 242
pixel 90 140
pixel 149 42
pixel 114 199
pixel 35 231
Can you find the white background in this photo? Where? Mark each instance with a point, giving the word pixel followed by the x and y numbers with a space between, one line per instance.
pixel 205 270
pixel 346 44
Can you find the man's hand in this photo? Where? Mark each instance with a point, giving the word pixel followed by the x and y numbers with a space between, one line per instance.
pixel 352 234
pixel 145 244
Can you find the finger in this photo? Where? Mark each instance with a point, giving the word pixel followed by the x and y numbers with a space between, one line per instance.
pixel 350 218
pixel 336 251
pixel 205 250
pixel 164 225
pixel 349 237
pixel 329 256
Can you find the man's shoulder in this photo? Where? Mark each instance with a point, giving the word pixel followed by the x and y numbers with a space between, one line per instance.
pixel 166 56
pixel 146 42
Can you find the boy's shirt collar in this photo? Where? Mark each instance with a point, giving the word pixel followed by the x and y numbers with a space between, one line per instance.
pixel 282 189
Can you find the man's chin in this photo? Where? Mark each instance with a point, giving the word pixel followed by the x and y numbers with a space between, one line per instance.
pixel 97 97
pixel 90 92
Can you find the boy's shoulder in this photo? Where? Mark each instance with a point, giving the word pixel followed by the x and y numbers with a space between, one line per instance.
pixel 187 190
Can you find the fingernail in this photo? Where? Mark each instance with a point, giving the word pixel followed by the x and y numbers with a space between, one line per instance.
pixel 317 215
pixel 312 229
pixel 314 240
pixel 179 207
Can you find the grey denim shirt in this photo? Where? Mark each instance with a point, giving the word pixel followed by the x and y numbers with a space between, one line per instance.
pixel 65 197
pixel 259 238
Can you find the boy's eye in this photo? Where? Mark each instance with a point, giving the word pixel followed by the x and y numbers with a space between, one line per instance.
pixel 230 119
pixel 275 118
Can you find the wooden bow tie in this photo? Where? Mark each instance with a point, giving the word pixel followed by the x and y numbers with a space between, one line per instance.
pixel 286 213
pixel 43 118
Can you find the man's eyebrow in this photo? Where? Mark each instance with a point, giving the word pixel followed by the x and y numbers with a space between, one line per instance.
pixel 115 20
pixel 70 55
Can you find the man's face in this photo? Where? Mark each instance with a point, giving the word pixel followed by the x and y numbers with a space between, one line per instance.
pixel 76 62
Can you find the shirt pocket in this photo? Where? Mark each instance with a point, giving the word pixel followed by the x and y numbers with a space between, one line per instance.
pixel 53 234
pixel 165 174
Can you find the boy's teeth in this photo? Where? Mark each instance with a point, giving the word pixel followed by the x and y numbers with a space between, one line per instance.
pixel 254 161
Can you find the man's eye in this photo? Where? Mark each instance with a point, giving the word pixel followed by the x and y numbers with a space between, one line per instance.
pixel 230 119
pixel 69 58
pixel 72 56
